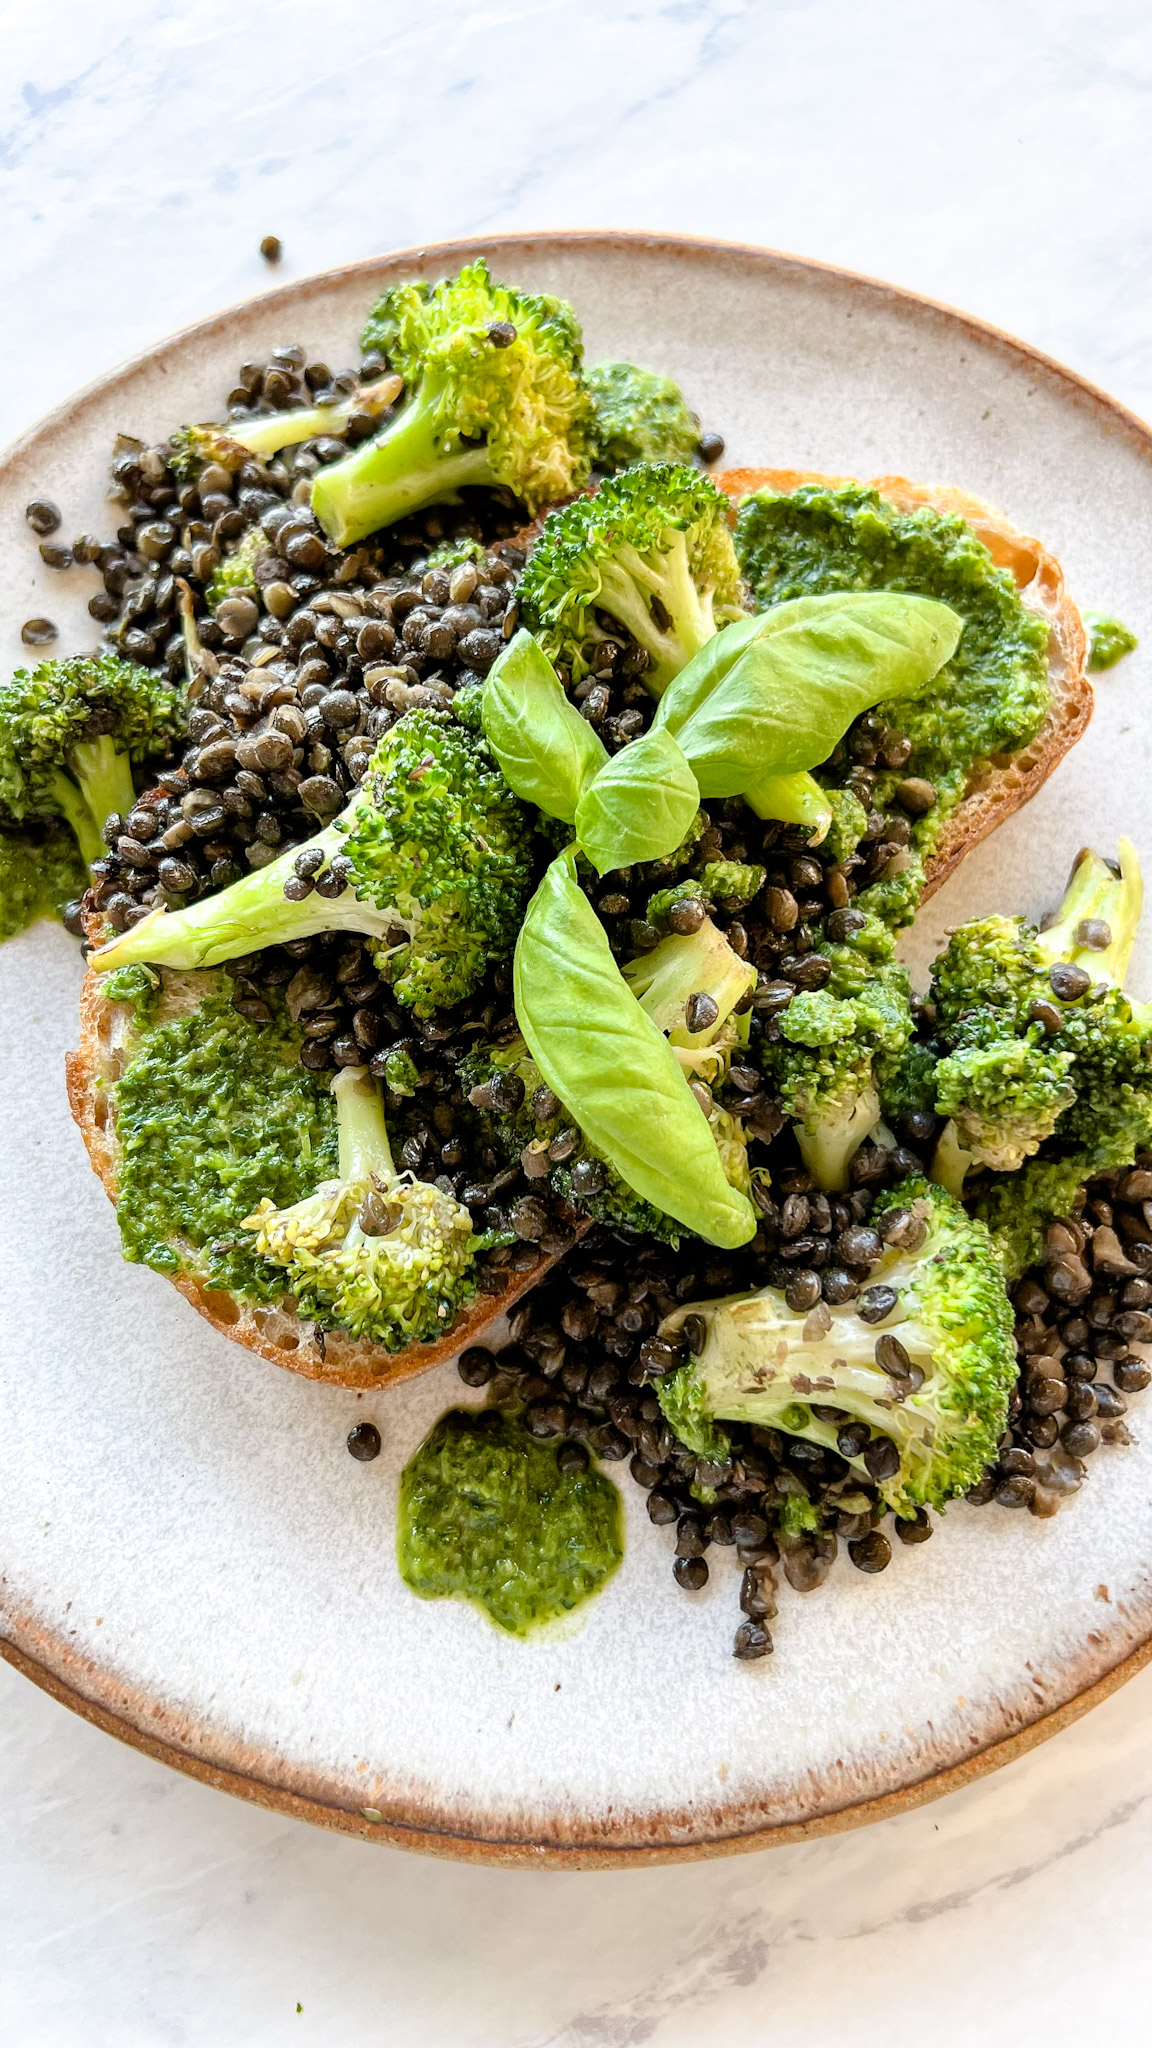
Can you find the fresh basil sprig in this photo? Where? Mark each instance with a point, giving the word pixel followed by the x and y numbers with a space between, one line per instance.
pixel 775 701
pixel 611 1067
pixel 547 753
pixel 640 805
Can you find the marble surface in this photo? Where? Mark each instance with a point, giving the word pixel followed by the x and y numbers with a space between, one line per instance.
pixel 997 158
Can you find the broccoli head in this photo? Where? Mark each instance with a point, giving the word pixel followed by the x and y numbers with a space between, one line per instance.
pixel 388 1258
pixel 828 1064
pixel 930 1379
pixel 697 992
pixel 730 882
pixel 640 417
pixel 652 550
pixel 494 395
pixel 71 733
pixel 1040 1040
pixel 190 449
pixel 432 859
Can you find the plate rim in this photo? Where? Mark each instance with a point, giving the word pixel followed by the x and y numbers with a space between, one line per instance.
pixel 476 1847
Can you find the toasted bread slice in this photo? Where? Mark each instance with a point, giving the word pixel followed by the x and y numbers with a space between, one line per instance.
pixel 277 1333
pixel 1007 781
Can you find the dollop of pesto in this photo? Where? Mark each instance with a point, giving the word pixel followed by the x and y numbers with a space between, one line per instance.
pixel 487 1514
pixel 992 696
pixel 213 1112
pixel 38 875
pixel 1108 640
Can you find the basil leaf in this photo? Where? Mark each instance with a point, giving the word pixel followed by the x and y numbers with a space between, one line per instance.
pixel 611 1067
pixel 546 751
pixel 640 805
pixel 797 685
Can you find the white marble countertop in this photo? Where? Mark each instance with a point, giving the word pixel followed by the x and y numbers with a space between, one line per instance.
pixel 998 158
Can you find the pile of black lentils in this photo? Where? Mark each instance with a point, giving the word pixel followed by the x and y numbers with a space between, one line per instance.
pixel 298 680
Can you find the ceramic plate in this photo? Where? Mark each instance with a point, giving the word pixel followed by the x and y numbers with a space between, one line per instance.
pixel 188 1553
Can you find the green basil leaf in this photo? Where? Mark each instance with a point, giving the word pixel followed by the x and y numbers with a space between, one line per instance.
pixel 546 751
pixel 640 806
pixel 797 685
pixel 611 1067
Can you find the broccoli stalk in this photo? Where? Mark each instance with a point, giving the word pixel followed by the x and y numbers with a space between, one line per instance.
pixel 694 979
pixel 432 859
pixel 653 550
pixel 388 1258
pixel 1038 1037
pixel 71 733
pixel 191 448
pixel 931 1379
pixel 495 397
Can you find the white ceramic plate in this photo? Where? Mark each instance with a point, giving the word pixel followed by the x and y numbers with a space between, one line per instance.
pixel 187 1552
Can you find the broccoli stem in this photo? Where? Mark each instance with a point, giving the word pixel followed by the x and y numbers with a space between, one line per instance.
pixel 288 429
pixel 250 913
pixel 950 1161
pixel 362 1134
pixel 829 1144
pixel 691 621
pixel 401 471
pixel 1096 895
pixel 794 800
pixel 72 806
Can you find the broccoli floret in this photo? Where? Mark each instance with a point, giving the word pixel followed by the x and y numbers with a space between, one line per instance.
pixel 237 569
pixel 932 1380
pixel 433 859
pixel 230 446
pixel 1039 1037
pixel 1018 1207
pixel 1002 1101
pixel 494 396
pixel 732 883
pixel 640 417
pixel 652 549
pixel 71 733
pixel 908 1087
pixel 828 1063
pixel 374 1252
pixel 38 876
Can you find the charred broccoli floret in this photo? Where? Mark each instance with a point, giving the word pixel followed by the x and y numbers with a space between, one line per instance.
pixel 71 734
pixel 190 449
pixel 388 1258
pixel 432 859
pixel 924 1358
pixel 494 396
pixel 652 549
pixel 640 417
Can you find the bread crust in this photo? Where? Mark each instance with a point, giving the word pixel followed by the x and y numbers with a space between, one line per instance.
pixel 276 1332
pixel 1009 781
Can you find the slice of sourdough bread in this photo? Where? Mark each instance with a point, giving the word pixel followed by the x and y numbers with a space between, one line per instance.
pixel 276 1332
pixel 1004 783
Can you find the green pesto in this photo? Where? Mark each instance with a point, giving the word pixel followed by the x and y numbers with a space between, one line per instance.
pixel 37 877
pixel 992 696
pixel 487 1515
pixel 212 1113
pixel 1108 640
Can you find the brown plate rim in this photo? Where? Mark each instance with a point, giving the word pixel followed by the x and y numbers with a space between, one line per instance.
pixel 504 1851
